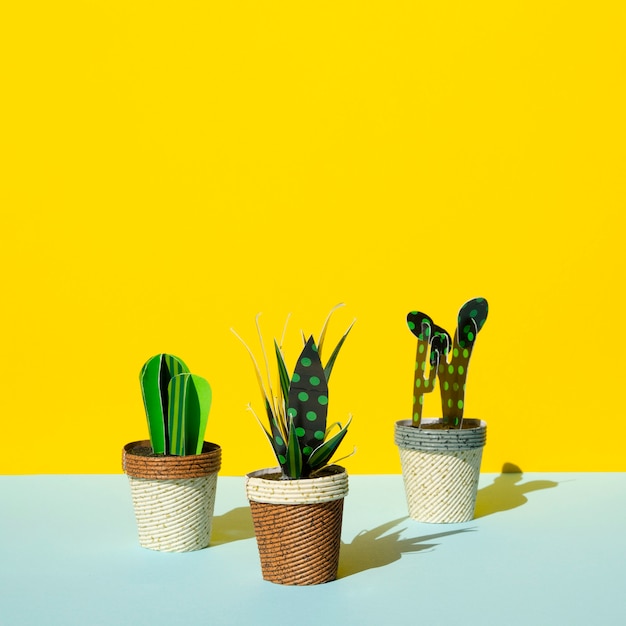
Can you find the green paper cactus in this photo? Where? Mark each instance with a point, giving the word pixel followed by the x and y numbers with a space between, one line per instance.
pixel 297 414
pixel 448 360
pixel 177 405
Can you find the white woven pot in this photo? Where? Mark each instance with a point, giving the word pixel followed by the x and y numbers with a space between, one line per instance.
pixel 173 497
pixel 440 470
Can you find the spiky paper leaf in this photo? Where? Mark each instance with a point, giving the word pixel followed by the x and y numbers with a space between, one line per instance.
pixel 322 454
pixel 307 402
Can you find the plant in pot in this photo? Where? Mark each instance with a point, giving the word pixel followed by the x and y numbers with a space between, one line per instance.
pixel 173 476
pixel 297 507
pixel 441 457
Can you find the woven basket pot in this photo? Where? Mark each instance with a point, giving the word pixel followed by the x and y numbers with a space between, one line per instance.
pixel 441 469
pixel 173 496
pixel 298 524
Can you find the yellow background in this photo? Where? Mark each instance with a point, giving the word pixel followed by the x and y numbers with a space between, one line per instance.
pixel 169 169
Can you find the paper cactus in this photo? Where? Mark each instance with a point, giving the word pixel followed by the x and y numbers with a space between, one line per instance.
pixel 448 360
pixel 177 405
pixel 297 413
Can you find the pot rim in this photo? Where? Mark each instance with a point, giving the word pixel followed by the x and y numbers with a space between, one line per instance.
pixel 162 467
pixel 316 490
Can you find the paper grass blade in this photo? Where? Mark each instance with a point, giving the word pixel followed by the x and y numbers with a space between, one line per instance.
pixel 320 344
pixel 331 362
pixel 292 466
pixel 283 375
pixel 154 379
pixel 190 403
pixel 321 455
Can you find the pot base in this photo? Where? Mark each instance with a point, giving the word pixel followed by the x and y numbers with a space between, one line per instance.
pixel 298 543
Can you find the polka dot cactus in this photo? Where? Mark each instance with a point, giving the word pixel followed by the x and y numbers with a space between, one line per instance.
pixel 449 360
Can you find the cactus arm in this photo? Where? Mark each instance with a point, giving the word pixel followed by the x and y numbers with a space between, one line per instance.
pixel 423 327
pixel 190 402
pixel 154 379
pixel 453 375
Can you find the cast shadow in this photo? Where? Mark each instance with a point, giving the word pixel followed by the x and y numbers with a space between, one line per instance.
pixel 234 525
pixel 373 548
pixel 506 492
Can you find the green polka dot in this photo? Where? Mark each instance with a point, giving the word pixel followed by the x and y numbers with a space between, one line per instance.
pixel 279 441
pixel 411 325
pixel 295 378
pixel 426 382
pixel 300 431
pixel 417 365
pixel 460 404
pixel 307 450
pixel 418 382
pixel 446 385
pixel 314 380
pixel 281 459
pixel 473 313
pixel 292 412
pixel 421 399
pixel 303 396
pixel 450 369
pixel 323 400
pixel 467 328
pixel 427 331
pixel 470 336
pixel 450 403
pixel 311 416
pixel 423 365
pixel 416 417
pixel 455 352
pixel 465 353
pixel 314 348
pixel 305 361
pixel 455 386
pixel 319 435
pixel 460 369
pixel 421 348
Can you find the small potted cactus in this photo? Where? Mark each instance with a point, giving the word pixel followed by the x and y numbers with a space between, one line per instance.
pixel 297 507
pixel 441 457
pixel 173 476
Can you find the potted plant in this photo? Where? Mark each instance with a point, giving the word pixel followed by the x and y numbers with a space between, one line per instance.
pixel 173 476
pixel 297 507
pixel 441 457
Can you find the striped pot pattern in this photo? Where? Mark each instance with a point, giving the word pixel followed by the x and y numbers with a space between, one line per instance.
pixel 440 469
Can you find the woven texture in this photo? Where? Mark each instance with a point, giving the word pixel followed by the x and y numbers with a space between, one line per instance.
pixel 441 486
pixel 298 543
pixel 331 486
pixel 174 515
pixel 139 462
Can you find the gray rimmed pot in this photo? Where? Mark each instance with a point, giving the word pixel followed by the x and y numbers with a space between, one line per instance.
pixel 441 469
pixel 297 524
pixel 173 496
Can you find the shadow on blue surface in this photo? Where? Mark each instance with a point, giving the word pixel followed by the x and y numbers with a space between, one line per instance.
pixel 234 525
pixel 507 492
pixel 373 548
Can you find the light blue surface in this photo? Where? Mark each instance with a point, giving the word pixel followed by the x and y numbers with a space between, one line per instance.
pixel 544 549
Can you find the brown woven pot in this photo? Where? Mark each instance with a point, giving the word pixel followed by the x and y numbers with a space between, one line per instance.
pixel 173 496
pixel 298 535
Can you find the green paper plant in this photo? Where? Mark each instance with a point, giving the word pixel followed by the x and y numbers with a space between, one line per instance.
pixel 297 412
pixel 448 359
pixel 177 405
